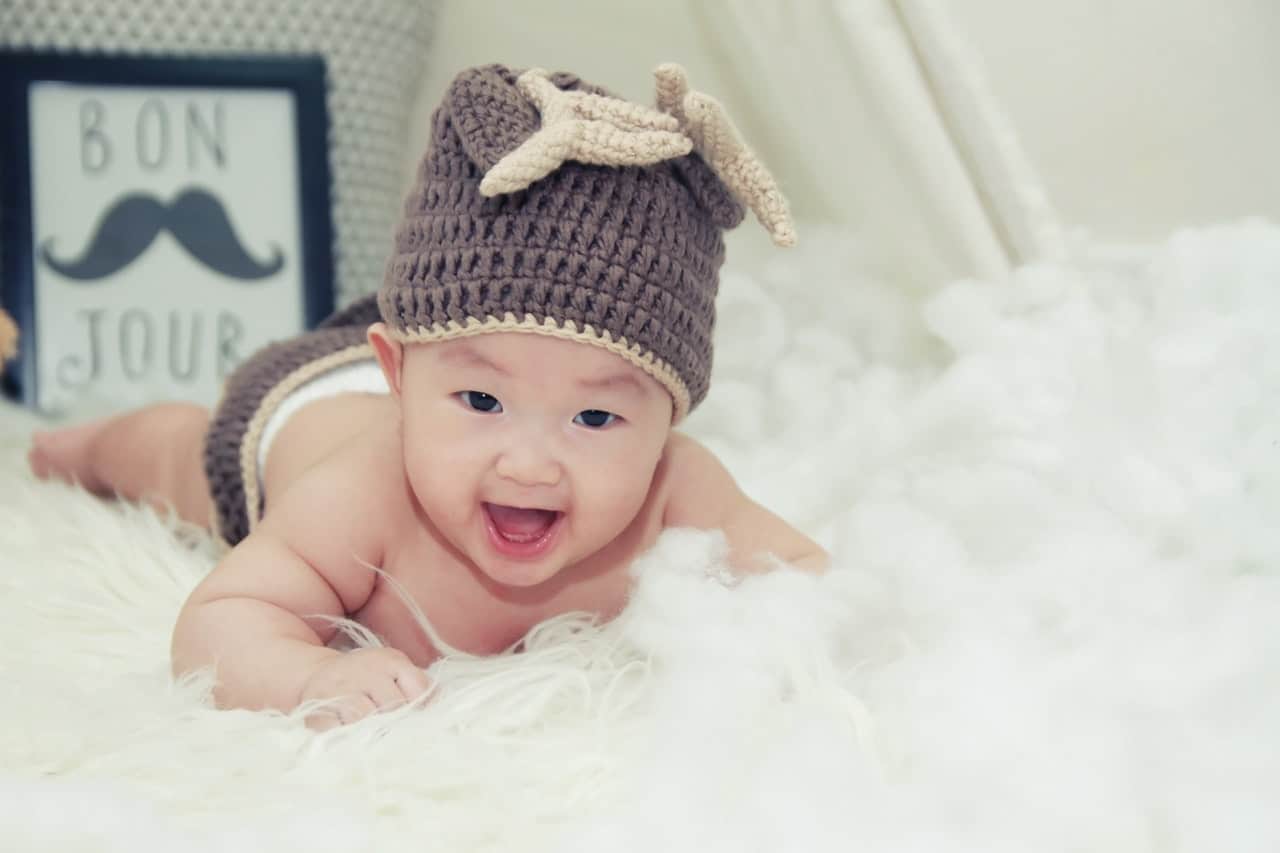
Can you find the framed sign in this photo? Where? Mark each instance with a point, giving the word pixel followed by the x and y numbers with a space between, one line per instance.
pixel 162 219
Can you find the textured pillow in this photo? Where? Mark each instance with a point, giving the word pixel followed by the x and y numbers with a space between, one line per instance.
pixel 374 51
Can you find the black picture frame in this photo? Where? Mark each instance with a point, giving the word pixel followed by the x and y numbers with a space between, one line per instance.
pixel 303 76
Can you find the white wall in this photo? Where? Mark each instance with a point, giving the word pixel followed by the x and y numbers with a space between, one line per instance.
pixel 1141 115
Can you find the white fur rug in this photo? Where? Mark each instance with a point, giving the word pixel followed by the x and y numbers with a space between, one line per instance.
pixel 1053 625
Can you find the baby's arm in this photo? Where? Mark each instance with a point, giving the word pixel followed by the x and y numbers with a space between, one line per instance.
pixel 245 620
pixel 250 618
pixel 703 494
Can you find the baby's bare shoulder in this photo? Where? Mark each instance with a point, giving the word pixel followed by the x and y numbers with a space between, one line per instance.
pixel 703 494
pixel 696 483
pixel 345 505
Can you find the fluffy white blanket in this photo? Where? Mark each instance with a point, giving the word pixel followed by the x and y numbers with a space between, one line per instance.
pixel 1053 625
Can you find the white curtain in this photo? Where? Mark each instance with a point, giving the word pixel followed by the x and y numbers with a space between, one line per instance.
pixel 888 126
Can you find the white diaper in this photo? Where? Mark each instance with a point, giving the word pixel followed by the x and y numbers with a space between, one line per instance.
pixel 360 376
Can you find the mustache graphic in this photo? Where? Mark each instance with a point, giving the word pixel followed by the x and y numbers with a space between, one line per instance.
pixel 196 219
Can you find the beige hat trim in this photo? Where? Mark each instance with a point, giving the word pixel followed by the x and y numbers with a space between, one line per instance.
pixel 633 353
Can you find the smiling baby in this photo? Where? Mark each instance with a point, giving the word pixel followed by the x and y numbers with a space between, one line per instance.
pixel 493 431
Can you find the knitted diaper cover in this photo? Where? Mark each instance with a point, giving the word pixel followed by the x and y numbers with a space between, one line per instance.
pixel 260 395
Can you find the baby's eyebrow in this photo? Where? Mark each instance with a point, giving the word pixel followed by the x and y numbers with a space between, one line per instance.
pixel 464 356
pixel 614 381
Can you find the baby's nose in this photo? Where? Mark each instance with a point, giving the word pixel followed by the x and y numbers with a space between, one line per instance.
pixel 528 466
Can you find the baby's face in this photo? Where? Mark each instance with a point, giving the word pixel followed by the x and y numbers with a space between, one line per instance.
pixel 529 453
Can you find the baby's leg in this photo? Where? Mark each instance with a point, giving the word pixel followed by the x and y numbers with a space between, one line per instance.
pixel 153 454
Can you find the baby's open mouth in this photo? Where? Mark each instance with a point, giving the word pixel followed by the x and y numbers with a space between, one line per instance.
pixel 521 526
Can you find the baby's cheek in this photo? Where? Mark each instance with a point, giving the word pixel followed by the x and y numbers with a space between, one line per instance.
pixel 438 481
pixel 616 498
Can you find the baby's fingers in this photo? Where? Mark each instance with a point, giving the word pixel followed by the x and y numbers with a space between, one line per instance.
pixel 411 681
pixel 341 712
pixel 384 693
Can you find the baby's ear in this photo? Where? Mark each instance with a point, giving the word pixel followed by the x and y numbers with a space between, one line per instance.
pixel 390 355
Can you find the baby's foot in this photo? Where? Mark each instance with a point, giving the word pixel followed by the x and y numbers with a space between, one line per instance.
pixel 64 454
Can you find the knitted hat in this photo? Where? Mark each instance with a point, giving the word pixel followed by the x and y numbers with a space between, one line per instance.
pixel 546 205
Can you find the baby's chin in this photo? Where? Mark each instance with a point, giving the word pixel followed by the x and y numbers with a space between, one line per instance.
pixel 520 575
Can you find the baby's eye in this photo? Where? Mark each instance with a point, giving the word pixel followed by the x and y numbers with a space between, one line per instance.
pixel 594 418
pixel 480 401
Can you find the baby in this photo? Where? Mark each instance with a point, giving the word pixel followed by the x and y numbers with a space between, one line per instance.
pixel 493 432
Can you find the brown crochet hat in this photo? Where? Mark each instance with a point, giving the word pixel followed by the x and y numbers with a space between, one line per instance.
pixel 545 205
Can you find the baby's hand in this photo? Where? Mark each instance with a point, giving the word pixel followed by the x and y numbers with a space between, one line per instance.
pixel 362 681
